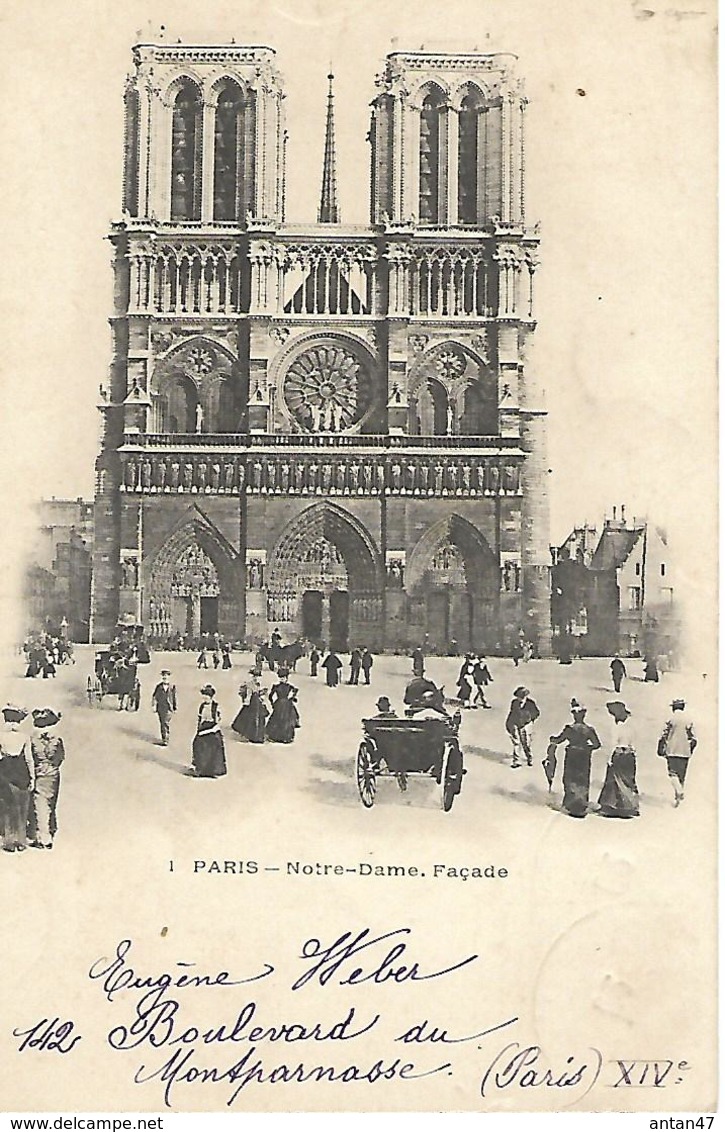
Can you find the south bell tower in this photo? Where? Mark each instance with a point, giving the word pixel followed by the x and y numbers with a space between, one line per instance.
pixel 325 428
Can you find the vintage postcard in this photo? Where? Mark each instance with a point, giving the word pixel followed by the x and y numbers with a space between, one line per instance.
pixel 358 748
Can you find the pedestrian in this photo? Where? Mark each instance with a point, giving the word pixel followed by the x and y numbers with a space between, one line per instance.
pixel 355 664
pixel 163 700
pixel 523 713
pixel 48 664
pixel 581 741
pixel 216 659
pixel 418 662
pixel 481 678
pixel 366 663
pixel 249 722
pixel 207 757
pixel 226 655
pixel 618 672
pixel 284 718
pixel 384 709
pixel 48 754
pixel 332 665
pixel 517 652
pixel 465 682
pixel 201 659
pixel 314 660
pixel 651 675
pixel 619 796
pixel 17 780
pixel 676 745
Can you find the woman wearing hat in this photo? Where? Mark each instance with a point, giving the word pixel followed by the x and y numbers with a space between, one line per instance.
pixel 207 751
pixel 17 781
pixel 619 797
pixel 249 722
pixel 285 717
pixel 48 753
pixel 581 740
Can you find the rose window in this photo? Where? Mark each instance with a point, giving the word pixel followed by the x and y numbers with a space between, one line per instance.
pixel 450 363
pixel 201 360
pixel 327 389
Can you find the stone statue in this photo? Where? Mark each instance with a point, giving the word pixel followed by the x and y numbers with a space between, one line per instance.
pixel 341 477
pixel 201 475
pixel 188 476
pixel 216 475
pixel 131 474
pixel 175 468
pixel 228 477
pixel 326 477
pixel 146 470
pixel 199 417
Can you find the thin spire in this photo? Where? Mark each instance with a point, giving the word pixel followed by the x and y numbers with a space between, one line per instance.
pixel 328 212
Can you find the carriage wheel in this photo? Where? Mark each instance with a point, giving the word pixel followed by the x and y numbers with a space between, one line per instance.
pixel 451 774
pixel 365 771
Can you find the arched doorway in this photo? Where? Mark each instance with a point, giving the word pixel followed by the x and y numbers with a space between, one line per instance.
pixel 194 584
pixel 324 580
pixel 452 580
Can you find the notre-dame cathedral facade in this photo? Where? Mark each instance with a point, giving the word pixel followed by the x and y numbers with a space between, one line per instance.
pixel 326 429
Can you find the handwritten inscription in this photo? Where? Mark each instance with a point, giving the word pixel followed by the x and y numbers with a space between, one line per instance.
pixel 188 1027
pixel 48 1034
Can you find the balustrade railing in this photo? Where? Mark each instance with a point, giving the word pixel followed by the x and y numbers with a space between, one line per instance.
pixel 254 441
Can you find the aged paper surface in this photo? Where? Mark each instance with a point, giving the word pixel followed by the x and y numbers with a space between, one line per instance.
pixel 499 957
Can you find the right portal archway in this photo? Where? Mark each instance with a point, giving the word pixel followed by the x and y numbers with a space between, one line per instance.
pixel 453 574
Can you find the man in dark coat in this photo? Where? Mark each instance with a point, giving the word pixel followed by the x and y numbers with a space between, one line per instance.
pixel 355 664
pixel 332 665
pixel 366 663
pixel 618 672
pixel 418 662
pixel 314 660
pixel 164 704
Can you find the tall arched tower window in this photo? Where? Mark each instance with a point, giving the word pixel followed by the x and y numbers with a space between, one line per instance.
pixel 229 153
pixel 430 145
pixel 186 129
pixel 468 160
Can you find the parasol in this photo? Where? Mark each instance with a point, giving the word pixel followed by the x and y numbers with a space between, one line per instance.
pixel 549 763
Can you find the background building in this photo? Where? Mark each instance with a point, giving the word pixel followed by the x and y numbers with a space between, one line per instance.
pixel 328 429
pixel 58 571
pixel 615 592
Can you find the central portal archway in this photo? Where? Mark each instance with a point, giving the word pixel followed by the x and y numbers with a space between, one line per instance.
pixel 324 579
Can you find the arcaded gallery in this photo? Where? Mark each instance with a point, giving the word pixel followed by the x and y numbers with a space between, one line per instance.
pixel 325 429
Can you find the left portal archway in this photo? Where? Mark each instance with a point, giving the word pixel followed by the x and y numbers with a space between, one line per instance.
pixel 195 585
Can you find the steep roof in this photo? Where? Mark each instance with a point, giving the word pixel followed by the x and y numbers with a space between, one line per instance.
pixel 615 546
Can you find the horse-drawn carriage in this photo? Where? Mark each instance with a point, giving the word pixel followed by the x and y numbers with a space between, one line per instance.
pixel 114 676
pixel 398 748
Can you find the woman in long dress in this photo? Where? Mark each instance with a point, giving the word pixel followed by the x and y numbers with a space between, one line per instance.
pixel 581 740
pixel 48 755
pixel 249 722
pixel 619 797
pixel 17 781
pixel 465 684
pixel 207 752
pixel 285 717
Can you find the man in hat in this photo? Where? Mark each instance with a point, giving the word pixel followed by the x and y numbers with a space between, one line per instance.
pixel 384 709
pixel 48 754
pixel 618 672
pixel 164 704
pixel 581 740
pixel 677 743
pixel 522 715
